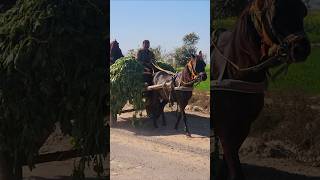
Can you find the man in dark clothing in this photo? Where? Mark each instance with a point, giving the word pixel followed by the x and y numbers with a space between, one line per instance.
pixel 145 57
pixel 115 52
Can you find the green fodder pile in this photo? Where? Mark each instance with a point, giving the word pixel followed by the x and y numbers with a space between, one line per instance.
pixel 127 83
pixel 53 69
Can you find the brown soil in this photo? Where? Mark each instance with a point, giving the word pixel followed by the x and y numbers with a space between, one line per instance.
pixel 200 99
pixel 283 142
pixel 291 122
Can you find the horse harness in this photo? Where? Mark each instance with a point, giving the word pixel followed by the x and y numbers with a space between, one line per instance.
pixel 275 51
pixel 169 90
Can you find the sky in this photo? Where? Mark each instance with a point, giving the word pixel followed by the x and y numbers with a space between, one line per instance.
pixel 163 22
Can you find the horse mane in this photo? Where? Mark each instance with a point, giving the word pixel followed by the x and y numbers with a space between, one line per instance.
pixel 245 39
pixel 245 45
pixel 185 74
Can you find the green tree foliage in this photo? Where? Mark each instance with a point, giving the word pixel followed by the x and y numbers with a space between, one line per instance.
pixel 158 53
pixel 183 53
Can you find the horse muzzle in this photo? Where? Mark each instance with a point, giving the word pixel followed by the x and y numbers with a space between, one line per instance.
pixel 296 47
pixel 203 76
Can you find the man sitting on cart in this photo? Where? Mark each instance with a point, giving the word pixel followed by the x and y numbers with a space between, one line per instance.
pixel 145 56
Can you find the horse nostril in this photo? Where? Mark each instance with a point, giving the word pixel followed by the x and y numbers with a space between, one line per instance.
pixel 204 76
pixel 301 50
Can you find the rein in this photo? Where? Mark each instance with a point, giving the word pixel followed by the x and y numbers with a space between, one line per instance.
pixel 195 78
pixel 264 64
pixel 279 49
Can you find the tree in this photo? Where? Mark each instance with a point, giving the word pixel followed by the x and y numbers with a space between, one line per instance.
pixel 159 54
pixel 191 39
pixel 132 52
pixel 183 53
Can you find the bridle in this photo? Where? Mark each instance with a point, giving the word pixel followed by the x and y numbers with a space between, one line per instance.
pixel 280 49
pixel 278 44
pixel 195 76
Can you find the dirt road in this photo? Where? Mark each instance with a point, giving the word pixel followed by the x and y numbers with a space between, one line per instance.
pixel 144 152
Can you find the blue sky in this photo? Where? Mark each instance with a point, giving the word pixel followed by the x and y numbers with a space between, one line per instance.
pixel 163 22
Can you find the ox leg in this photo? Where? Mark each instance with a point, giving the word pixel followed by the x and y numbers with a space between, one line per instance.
pixel 164 122
pixel 113 119
pixel 18 172
pixel 178 120
pixel 155 124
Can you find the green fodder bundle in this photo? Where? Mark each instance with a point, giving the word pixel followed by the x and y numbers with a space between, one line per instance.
pixel 166 66
pixel 127 84
pixel 53 69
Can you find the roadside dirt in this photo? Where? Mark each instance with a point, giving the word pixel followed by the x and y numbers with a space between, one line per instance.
pixel 143 152
pixel 283 142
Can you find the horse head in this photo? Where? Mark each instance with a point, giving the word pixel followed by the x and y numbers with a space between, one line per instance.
pixel 279 23
pixel 196 67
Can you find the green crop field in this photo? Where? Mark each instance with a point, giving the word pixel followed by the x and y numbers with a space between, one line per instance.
pixel 303 76
pixel 203 86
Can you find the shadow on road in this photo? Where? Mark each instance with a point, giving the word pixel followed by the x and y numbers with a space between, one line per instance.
pixel 62 178
pixel 198 125
pixel 254 172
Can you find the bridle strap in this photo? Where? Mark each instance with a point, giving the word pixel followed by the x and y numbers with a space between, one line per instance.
pixel 264 64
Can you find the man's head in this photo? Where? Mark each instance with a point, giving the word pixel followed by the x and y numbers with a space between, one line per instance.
pixel 146 44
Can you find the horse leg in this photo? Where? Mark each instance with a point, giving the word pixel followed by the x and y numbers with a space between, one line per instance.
pixel 232 160
pixel 222 169
pixel 231 143
pixel 185 122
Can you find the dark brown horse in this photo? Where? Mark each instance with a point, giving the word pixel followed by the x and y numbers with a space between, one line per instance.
pixel 193 72
pixel 268 33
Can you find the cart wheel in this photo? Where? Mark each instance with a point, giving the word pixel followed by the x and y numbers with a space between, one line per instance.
pixel 113 119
